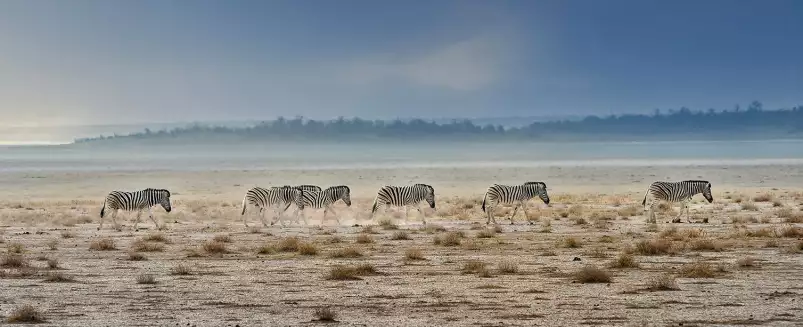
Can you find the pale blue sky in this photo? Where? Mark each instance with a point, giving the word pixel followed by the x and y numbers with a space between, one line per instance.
pixel 76 62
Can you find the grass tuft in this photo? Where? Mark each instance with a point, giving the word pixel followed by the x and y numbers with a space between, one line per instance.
pixel 325 314
pixel 654 247
pixel 486 233
pixel 58 277
pixel 104 244
pixel 662 283
pixel 347 252
pixel 181 270
pixel 473 266
pixel 414 254
pixel 592 274
pixel 146 279
pixel 25 314
pixel 222 238
pixel 215 247
pixel 364 239
pixel 387 224
pixel 624 260
pixel 13 261
pixel 571 242
pixel 307 249
pixel 448 239
pixel 400 235
pixel 700 270
pixel 145 246
pixel 508 267
pixel 136 256
pixel 53 263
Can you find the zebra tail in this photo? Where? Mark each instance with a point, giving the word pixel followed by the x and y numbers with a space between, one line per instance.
pixel 373 209
pixel 483 201
pixel 644 202
pixel 103 209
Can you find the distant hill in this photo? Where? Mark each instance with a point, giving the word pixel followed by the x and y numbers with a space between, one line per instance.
pixel 685 124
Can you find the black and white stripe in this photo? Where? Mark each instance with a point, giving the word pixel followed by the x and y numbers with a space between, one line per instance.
pixel 309 188
pixel 517 194
pixel 324 199
pixel 135 201
pixel 675 192
pixel 404 196
pixel 271 197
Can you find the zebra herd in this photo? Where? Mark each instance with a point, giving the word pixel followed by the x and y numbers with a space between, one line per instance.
pixel 312 196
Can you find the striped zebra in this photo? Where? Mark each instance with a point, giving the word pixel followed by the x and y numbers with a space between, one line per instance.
pixel 517 194
pixel 309 188
pixel 135 201
pixel 404 196
pixel 325 199
pixel 675 192
pixel 274 196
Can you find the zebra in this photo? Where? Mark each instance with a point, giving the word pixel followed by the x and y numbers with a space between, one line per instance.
pixel 135 201
pixel 274 196
pixel 309 188
pixel 404 196
pixel 676 192
pixel 518 194
pixel 325 199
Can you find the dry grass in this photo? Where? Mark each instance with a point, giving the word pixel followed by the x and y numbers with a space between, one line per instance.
pixel 340 272
pixel 67 234
pixel 592 274
pixel 364 239
pixel 706 245
pixel 53 245
pixel 432 229
pixel 700 270
pixel 13 261
pixel 146 279
pixel 448 239
pixel 387 224
pixel 662 283
pixel 222 238
pixel 145 246
pixel 766 197
pixel 58 277
pixel 25 314
pixel 571 242
pixel 749 206
pixel 136 256
pixel 365 269
pixel 307 249
pixel 624 260
pixel 654 247
pixel 215 247
pixel 414 254
pixel 265 249
pixel 369 230
pixel 746 262
pixel 507 267
pixel 15 248
pixel 104 244
pixel 156 237
pixel 629 211
pixel 181 270
pixel 325 314
pixel 598 252
pixel 288 244
pixel 400 235
pixel 486 233
pixel 791 231
pixel 347 252
pixel 473 266
pixel 53 263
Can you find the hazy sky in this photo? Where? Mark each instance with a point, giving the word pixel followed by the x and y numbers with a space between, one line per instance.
pixel 70 62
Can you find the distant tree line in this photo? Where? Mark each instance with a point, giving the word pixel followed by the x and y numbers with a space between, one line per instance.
pixel 752 122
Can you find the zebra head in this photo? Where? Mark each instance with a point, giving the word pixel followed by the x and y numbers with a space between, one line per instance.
pixel 429 194
pixel 297 194
pixel 162 197
pixel 341 192
pixel 707 192
pixel 538 188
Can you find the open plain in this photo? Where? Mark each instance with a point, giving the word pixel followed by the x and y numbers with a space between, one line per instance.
pixel 589 258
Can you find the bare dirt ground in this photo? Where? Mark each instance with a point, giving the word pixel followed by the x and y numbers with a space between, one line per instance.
pixel 589 259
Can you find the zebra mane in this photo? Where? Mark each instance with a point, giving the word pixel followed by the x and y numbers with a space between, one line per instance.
pixel 427 186
pixel 535 183
pixel 696 181
pixel 158 190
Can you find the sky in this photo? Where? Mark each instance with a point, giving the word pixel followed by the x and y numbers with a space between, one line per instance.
pixel 115 62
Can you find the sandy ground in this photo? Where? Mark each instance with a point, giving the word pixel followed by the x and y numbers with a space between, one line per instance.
pixel 741 268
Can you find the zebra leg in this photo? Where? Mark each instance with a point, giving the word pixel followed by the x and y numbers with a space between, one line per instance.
pixel 651 214
pixel 682 207
pixel 136 221
pixel 337 218
pixel 688 216
pixel 423 216
pixel 406 215
pixel 150 214
pixel 516 209
pixel 262 218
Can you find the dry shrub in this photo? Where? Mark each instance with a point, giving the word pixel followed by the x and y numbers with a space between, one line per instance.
pixel 700 270
pixel 766 197
pixel 25 314
pixel 369 230
pixel 448 239
pixel 53 245
pixel 347 252
pixel 598 252
pixel 571 242
pixel 13 261
pixel 325 314
pixel 670 232
pixel 307 249
pixel 254 230
pixel 104 244
pixel 288 244
pixel 53 263
pixel 763 232
pixel 654 247
pixel 662 283
pixel 777 204
pixel 791 231
pixel 790 217
pixel 334 239
pixel 576 210
pixel 651 228
pixel 387 224
pixel 365 269
pixel 67 234
pixel 156 237
pixel 413 254
pixel 507 267
pixel 629 211
pixel 146 279
pixel 606 239
pixel 181 270
pixel 498 229
pixel 58 277
pixel 486 233
pixel 266 249
pixel 473 266
pixel 706 245
pixel 771 244
pixel 144 246
pixel 432 229
pixel 624 260
pixel 215 247
pixel 592 274
pixel 579 220
pixel 400 235
pixel 136 256
pixel 222 238
pixel 365 239
pixel 746 262
pixel 340 272
pixel 749 206
pixel 485 273
pixel 15 248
